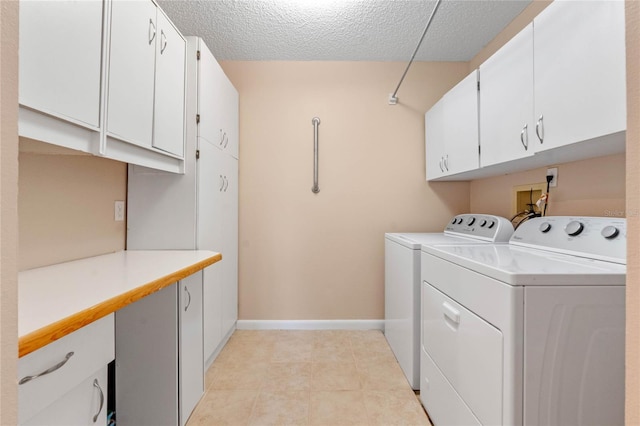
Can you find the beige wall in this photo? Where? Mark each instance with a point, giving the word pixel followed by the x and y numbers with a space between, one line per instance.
pixel 66 205
pixel 8 211
pixel 308 256
pixel 633 217
pixel 594 187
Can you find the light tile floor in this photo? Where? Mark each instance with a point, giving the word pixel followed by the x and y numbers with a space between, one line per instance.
pixel 328 378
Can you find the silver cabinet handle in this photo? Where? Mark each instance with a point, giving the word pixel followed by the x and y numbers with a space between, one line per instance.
pixel 446 162
pixel 226 140
pixel 222 136
pixel 524 137
pixel 540 129
pixel 152 30
pixel 163 42
pixel 47 371
pixel 97 385
pixel 221 183
pixel 188 294
pixel 226 184
pixel 316 122
pixel 440 164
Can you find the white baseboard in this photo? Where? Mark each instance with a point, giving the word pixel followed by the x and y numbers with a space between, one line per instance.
pixel 310 325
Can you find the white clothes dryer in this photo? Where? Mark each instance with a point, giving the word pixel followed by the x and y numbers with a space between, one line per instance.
pixel 402 280
pixel 528 333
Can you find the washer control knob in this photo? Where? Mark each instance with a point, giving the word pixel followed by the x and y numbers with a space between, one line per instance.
pixel 454 221
pixel 491 224
pixel 545 227
pixel 610 232
pixel 483 223
pixel 471 221
pixel 574 228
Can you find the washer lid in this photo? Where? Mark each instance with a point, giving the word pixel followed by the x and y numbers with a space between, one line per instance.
pixel 416 240
pixel 521 266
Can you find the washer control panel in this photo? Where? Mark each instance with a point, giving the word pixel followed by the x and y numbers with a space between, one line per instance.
pixel 601 238
pixel 481 226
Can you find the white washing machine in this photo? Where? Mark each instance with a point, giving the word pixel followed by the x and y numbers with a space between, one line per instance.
pixel 528 333
pixel 402 280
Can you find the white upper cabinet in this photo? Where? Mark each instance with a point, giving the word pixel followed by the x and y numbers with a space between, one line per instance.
pixel 61 59
pixel 580 88
pixel 134 33
pixel 168 129
pixel 451 131
pixel 506 101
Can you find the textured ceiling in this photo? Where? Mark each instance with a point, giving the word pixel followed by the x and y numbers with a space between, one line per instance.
pixel 349 30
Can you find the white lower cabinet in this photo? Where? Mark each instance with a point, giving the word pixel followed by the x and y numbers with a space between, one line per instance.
pixel 159 370
pixel 65 382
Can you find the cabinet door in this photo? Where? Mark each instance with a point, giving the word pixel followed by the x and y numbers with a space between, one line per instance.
pixel 506 101
pixel 209 237
pixel 461 123
pixel 211 105
pixel 435 140
pixel 168 127
pixel 229 219
pixel 86 404
pixel 231 121
pixel 580 88
pixel 191 369
pixel 134 32
pixel 61 57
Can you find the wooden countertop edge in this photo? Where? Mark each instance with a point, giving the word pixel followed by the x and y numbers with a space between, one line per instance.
pixel 52 332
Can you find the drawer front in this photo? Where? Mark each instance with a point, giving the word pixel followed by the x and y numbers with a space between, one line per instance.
pixel 93 347
pixel 443 404
pixel 79 406
pixel 467 350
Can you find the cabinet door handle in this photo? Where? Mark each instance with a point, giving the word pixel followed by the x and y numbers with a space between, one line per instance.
pixel 221 183
pixel 540 129
pixel 97 385
pixel 163 42
pixel 451 313
pixel 47 371
pixel 524 137
pixel 222 136
pixel 226 182
pixel 152 30
pixel 189 300
pixel 440 163
pixel 226 140
pixel 446 162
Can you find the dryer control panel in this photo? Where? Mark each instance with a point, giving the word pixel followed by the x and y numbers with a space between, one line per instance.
pixel 601 238
pixel 480 226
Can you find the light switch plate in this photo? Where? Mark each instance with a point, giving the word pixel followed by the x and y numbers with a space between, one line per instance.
pixel 119 211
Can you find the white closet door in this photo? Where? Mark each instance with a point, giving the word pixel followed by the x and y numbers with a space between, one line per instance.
pixel 211 106
pixel 168 127
pixel 580 71
pixel 209 237
pixel 231 120
pixel 134 33
pixel 60 58
pixel 506 102
pixel 191 362
pixel 229 218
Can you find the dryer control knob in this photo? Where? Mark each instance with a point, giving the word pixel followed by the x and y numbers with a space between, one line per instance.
pixel 574 228
pixel 491 224
pixel 471 221
pixel 454 221
pixel 483 223
pixel 610 232
pixel 545 227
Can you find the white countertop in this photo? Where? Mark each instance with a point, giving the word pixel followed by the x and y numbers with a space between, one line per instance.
pixel 73 294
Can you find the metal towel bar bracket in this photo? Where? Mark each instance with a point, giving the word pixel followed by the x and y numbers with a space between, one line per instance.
pixel 316 122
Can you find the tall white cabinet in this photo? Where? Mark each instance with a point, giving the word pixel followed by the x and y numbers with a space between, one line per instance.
pixel 198 210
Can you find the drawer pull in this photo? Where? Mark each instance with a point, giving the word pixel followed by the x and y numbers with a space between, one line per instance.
pixel 451 313
pixel 97 385
pixel 47 371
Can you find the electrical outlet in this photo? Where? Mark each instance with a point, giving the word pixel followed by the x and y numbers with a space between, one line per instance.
pixel 119 211
pixel 553 172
